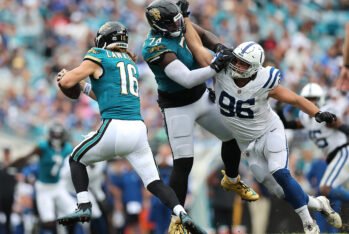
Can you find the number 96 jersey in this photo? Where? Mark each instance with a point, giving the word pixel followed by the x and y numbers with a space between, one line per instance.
pixel 246 110
pixel 325 138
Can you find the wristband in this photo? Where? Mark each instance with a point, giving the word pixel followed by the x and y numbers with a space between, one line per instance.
pixel 87 88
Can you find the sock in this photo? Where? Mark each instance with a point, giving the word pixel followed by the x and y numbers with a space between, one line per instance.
pixel 179 177
pixel 165 193
pixel 314 203
pixel 83 197
pixel 79 175
pixel 304 214
pixel 231 154
pixel 294 193
pixel 178 209
pixel 339 193
pixel 233 180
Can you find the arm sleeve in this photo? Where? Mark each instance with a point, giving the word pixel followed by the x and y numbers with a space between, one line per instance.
pixel 344 128
pixel 179 73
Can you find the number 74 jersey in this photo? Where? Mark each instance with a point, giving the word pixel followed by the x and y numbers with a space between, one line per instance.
pixel 246 110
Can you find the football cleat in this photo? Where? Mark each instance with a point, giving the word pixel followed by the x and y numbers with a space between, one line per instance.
pixel 245 192
pixel 176 226
pixel 332 217
pixel 311 228
pixel 189 224
pixel 81 214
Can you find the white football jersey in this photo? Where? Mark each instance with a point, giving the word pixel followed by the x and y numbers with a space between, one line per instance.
pixel 327 139
pixel 246 110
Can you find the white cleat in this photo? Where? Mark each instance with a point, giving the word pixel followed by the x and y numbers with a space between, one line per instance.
pixel 332 217
pixel 311 228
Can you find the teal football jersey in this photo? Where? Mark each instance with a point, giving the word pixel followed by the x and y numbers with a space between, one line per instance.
pixel 154 46
pixel 117 88
pixel 51 161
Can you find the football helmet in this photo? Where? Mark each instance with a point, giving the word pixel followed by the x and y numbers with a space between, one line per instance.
pixel 165 18
pixel 248 58
pixel 57 134
pixel 111 34
pixel 314 91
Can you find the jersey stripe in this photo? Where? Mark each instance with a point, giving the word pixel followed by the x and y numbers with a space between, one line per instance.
pixel 83 148
pixel 275 78
pixel 334 168
pixel 270 75
pixel 341 167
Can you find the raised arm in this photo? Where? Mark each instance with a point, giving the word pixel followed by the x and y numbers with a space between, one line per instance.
pixel 283 94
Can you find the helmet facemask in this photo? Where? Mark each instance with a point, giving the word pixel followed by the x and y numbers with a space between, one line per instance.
pixel 241 68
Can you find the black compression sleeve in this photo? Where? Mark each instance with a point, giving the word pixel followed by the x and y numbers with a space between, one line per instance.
pixel 344 128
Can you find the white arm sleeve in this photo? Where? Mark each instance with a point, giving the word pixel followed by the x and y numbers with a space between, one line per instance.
pixel 179 73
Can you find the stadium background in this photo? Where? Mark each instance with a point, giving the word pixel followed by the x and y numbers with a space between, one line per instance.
pixel 40 37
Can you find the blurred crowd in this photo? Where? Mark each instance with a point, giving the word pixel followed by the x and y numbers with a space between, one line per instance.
pixel 38 38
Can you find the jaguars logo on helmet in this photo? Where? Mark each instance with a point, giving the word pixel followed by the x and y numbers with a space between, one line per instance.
pixel 165 18
pixel 112 33
pixel 155 13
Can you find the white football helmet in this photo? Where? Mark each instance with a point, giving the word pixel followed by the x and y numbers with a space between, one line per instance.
pixel 314 91
pixel 248 59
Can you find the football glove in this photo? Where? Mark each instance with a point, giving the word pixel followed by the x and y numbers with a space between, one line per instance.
pixel 218 47
pixel 183 5
pixel 221 59
pixel 325 117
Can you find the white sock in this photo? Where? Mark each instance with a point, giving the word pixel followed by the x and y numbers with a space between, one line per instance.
pixel 314 204
pixel 304 214
pixel 178 209
pixel 233 180
pixel 83 197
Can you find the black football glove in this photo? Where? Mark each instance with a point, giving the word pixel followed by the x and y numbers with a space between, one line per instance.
pixel 221 59
pixel 219 47
pixel 325 117
pixel 183 5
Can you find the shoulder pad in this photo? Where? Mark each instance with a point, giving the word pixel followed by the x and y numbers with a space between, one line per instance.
pixel 271 77
pixel 95 55
pixel 154 47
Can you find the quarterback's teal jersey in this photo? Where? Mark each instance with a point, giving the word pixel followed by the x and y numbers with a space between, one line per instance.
pixel 51 161
pixel 154 46
pixel 117 88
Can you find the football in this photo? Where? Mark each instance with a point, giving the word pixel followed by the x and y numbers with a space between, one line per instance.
pixel 72 92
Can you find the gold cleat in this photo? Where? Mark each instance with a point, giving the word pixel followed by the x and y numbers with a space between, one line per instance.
pixel 246 193
pixel 176 226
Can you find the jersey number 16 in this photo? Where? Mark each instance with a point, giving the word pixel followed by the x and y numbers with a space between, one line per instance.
pixel 129 75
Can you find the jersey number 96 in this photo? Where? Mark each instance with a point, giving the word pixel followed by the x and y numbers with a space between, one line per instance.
pixel 231 107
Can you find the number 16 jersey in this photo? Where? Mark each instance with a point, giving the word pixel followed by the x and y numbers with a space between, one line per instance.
pixel 117 88
pixel 246 110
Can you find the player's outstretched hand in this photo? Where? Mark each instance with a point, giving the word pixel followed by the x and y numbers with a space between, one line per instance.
pixel 325 116
pixel 184 5
pixel 221 59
